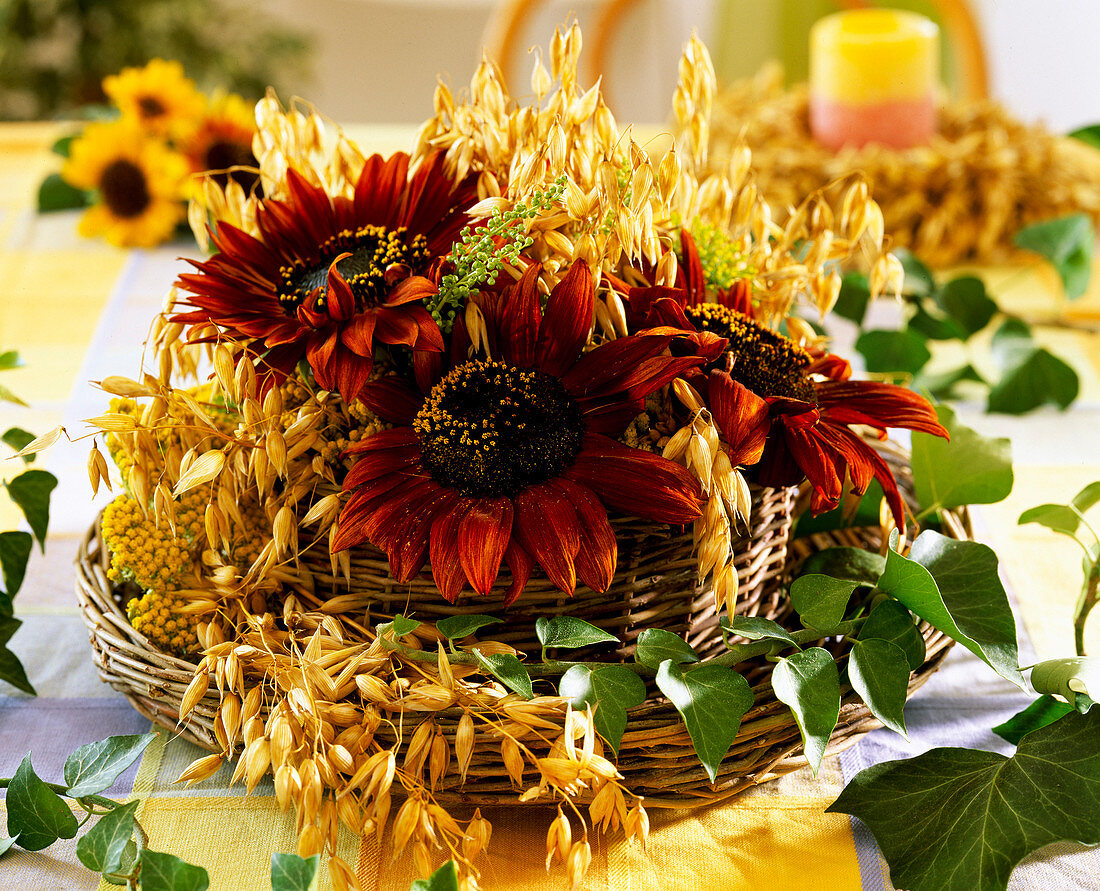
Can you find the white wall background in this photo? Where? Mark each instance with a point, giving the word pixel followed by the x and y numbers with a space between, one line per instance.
pixel 376 60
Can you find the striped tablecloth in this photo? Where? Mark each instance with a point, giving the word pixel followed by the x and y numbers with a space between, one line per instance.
pixel 78 311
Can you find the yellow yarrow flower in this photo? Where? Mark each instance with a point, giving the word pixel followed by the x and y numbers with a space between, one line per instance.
pixel 140 184
pixel 159 97
pixel 159 617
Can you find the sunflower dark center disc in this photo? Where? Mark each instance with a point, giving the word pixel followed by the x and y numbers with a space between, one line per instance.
pixel 489 428
pixel 224 154
pixel 766 362
pixel 150 107
pixel 374 251
pixel 124 189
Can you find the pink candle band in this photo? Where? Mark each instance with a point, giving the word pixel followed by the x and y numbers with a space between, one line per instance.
pixel 899 123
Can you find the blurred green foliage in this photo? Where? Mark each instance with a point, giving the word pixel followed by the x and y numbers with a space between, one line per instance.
pixel 54 54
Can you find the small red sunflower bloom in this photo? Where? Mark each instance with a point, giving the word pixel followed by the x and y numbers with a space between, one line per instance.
pixel 331 277
pixel 811 401
pixel 514 459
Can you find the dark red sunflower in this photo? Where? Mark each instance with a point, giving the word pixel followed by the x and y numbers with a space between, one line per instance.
pixel 514 458
pixel 811 401
pixel 331 277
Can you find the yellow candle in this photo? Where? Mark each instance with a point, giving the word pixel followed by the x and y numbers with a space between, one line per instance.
pixel 874 75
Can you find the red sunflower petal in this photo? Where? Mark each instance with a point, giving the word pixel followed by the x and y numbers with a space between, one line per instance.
pixel 447 569
pixel 395 326
pixel 483 538
pixel 339 296
pixel 379 188
pixel 599 370
pixel 319 354
pixel 392 400
pixel 864 463
pixel 635 482
pixel 428 338
pixel 519 564
pixel 372 466
pixel 352 373
pixel 695 280
pixel 877 405
pixel 599 550
pixel 520 315
pixel 742 417
pixel 358 334
pixel 546 525
pixel 566 321
pixel 427 370
pixel 407 535
pixel 411 289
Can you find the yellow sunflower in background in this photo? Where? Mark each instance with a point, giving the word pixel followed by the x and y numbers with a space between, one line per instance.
pixel 159 95
pixel 140 184
pixel 222 142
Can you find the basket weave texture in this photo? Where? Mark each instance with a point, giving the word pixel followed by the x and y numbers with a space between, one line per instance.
pixel 655 587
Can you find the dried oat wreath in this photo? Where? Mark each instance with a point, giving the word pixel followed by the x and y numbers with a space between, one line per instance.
pixel 961 197
pixel 424 427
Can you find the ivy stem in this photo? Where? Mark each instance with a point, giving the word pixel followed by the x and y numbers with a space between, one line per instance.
pixel 736 654
pixel 64 790
pixel 1090 593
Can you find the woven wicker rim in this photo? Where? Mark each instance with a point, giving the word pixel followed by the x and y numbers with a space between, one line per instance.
pixel 656 756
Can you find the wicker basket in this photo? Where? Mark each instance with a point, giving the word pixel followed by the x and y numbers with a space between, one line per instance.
pixel 656 756
pixel 655 583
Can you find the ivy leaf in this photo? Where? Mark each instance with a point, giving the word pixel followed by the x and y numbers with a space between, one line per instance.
pixel 655 645
pixel 809 683
pixel 443 879
pixel 893 622
pixel 1031 375
pixel 885 351
pixel 6 842
pixel 398 627
pixel 971 607
pixel 11 669
pixel 125 866
pixel 712 700
pixel 879 672
pixel 1068 243
pixel 569 633
pixel 854 297
pixel 969 469
pixel 289 872
pixel 458 627
pixel 934 325
pixel 95 766
pixel 944 384
pixel 1068 677
pixel 757 628
pixel 15 552
pixel 966 573
pixel 1087 497
pixel 19 439
pixel 1089 135
pixel 36 814
pixel 166 872
pixel 820 599
pixel 507 669
pixel 63 146
pixel 56 194
pixel 612 689
pixel 960 820
pixel 919 281
pixel 31 491
pixel 845 563
pixel 965 301
pixel 1043 711
pixel 10 359
pixel 1059 517
pixel 101 847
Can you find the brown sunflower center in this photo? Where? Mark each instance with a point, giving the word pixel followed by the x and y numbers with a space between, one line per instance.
pixel 379 256
pixel 124 189
pixel 490 428
pixel 765 361
pixel 224 154
pixel 150 107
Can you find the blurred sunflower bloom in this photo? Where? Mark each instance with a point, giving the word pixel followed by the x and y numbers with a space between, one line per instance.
pixel 221 142
pixel 139 183
pixel 159 95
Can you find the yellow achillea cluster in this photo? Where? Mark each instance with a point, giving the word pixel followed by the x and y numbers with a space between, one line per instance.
pixel 155 559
